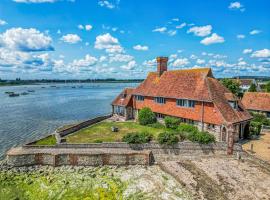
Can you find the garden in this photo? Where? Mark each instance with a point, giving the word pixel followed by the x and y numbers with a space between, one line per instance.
pixel 147 129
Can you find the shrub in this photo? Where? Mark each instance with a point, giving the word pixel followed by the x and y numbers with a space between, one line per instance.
pixel 146 116
pixel 168 138
pixel 258 117
pixel 201 137
pixel 255 128
pixel 171 122
pixel 156 125
pixel 187 128
pixel 137 138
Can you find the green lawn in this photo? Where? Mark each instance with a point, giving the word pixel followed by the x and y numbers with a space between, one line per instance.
pixel 50 140
pixel 102 132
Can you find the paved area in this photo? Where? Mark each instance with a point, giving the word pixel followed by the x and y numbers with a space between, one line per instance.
pixel 221 178
pixel 261 147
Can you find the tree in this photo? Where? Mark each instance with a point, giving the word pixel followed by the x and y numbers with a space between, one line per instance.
pixel 267 86
pixel 146 116
pixel 232 85
pixel 252 88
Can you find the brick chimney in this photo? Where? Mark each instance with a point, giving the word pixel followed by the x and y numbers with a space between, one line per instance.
pixel 161 65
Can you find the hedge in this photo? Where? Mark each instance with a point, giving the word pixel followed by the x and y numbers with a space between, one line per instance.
pixel 146 116
pixel 171 122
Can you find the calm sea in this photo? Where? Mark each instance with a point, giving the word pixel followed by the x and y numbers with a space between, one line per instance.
pixel 37 114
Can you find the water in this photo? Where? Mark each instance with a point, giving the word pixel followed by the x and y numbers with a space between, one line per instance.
pixel 39 113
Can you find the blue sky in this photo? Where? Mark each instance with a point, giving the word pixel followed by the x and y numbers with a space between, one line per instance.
pixel 121 38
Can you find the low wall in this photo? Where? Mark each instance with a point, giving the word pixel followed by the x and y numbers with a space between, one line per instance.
pixel 54 157
pixel 160 152
pixel 81 125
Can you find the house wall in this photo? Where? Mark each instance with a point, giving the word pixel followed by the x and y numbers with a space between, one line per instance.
pixel 210 113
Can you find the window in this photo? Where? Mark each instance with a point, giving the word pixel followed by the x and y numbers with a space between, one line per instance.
pixel 233 104
pixel 160 100
pixel 119 110
pixel 268 114
pixel 139 98
pixel 159 115
pixel 185 103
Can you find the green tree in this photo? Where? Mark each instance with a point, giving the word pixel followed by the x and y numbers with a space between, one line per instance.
pixel 267 86
pixel 232 85
pixel 146 116
pixel 252 88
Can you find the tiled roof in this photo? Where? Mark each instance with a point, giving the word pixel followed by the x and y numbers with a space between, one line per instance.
pixel 186 84
pixel 124 98
pixel 220 96
pixel 257 101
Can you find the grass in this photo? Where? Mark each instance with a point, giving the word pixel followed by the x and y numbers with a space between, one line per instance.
pixel 50 140
pixel 102 132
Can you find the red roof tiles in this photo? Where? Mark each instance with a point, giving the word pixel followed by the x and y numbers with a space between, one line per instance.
pixel 257 101
pixel 124 98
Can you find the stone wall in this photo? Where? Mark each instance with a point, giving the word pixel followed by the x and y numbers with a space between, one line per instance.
pixel 79 159
pixel 159 152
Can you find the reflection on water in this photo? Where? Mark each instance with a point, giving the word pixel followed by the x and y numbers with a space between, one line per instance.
pixel 31 116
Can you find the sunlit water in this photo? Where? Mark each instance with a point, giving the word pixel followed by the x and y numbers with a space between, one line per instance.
pixel 37 114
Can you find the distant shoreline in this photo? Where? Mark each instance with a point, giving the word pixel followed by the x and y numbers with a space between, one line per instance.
pixel 15 83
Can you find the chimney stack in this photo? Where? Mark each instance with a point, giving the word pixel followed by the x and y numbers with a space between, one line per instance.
pixel 161 65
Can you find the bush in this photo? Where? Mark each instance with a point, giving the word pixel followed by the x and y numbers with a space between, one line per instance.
pixel 156 125
pixel 98 141
pixel 187 128
pixel 146 116
pixel 255 128
pixel 171 122
pixel 137 138
pixel 201 137
pixel 258 117
pixel 168 138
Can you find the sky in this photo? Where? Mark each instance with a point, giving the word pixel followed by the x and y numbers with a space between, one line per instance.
pixel 79 39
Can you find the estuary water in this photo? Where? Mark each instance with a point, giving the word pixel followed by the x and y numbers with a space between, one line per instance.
pixel 48 106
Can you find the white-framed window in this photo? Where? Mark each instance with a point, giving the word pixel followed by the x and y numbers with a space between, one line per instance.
pixel 159 115
pixel 139 98
pixel 185 103
pixel 233 104
pixel 160 100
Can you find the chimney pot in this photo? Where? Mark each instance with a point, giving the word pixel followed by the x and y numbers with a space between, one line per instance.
pixel 162 65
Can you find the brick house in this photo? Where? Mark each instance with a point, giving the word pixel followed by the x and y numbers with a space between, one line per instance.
pixel 257 102
pixel 193 95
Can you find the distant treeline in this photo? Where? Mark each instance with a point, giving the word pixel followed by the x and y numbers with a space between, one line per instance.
pixel 258 78
pixel 39 81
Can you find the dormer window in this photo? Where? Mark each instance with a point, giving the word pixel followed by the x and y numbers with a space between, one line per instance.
pixel 139 98
pixel 123 96
pixel 233 104
pixel 160 100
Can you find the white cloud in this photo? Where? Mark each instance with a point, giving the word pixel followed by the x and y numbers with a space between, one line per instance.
pixel 2 22
pixel 246 51
pixel 214 38
pixel 193 57
pixel 109 4
pixel 264 53
pixel 181 25
pixel 131 65
pixel 172 32
pixel 180 62
pixel 236 6
pixel 200 61
pixel 87 27
pixel 152 62
pixel 175 19
pixel 200 30
pixel 161 30
pixel 120 58
pixel 85 62
pixel 71 38
pixel 26 40
pixel 240 36
pixel 109 43
pixel 80 27
pixel 255 32
pixel 140 48
pixel 102 58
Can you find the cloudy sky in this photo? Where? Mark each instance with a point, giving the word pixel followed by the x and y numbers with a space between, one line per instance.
pixel 121 38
